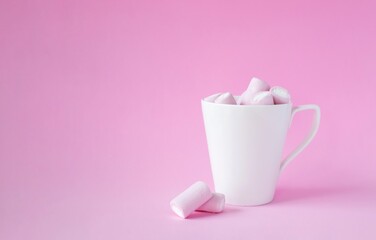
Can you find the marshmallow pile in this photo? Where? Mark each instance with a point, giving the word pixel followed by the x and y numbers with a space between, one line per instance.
pixel 197 197
pixel 257 93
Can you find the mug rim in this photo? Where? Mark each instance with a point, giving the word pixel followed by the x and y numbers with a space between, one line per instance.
pixel 245 106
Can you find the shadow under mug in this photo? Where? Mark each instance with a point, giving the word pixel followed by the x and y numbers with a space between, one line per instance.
pixel 245 144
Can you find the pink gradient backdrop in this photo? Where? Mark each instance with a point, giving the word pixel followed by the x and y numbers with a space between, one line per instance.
pixel 101 123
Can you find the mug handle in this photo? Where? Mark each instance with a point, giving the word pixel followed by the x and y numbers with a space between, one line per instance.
pixel 308 138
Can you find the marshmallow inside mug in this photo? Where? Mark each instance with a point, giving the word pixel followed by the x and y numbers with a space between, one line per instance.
pixel 280 95
pixel 225 98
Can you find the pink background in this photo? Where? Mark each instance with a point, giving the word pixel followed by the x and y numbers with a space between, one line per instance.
pixel 101 123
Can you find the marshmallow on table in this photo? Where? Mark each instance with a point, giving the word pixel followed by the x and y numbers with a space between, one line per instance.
pixel 215 204
pixel 256 85
pixel 191 199
pixel 212 98
pixel 225 98
pixel 280 95
pixel 262 98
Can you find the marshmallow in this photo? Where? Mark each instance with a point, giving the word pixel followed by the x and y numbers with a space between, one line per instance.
pixel 225 98
pixel 211 98
pixel 191 199
pixel 262 98
pixel 245 98
pixel 280 95
pixel 215 204
pixel 256 85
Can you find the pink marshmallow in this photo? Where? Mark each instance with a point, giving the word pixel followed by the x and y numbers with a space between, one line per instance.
pixel 280 95
pixel 262 98
pixel 256 85
pixel 225 98
pixel 191 199
pixel 212 98
pixel 216 204
pixel 246 98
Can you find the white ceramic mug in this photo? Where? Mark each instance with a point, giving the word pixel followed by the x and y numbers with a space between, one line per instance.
pixel 245 145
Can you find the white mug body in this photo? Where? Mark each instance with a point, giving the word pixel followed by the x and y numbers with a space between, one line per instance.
pixel 245 144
